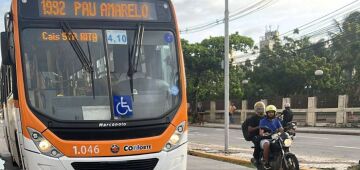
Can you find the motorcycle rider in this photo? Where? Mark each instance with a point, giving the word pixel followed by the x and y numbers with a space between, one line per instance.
pixel 269 124
pixel 287 115
pixel 253 129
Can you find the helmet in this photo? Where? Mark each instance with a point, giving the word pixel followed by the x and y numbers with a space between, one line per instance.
pixel 287 104
pixel 259 108
pixel 271 108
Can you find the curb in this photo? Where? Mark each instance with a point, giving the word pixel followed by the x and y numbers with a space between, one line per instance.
pixel 298 130
pixel 232 160
pixel 229 159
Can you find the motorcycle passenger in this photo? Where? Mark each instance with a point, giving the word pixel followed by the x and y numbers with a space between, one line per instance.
pixel 287 115
pixel 269 124
pixel 253 129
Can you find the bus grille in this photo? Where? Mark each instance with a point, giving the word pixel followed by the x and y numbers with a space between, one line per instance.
pixel 145 164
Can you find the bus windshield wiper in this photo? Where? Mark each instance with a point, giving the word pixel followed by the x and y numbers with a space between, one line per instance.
pixel 134 55
pixel 84 60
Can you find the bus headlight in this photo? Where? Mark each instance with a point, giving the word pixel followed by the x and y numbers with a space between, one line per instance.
pixel 44 146
pixel 176 138
pixel 287 142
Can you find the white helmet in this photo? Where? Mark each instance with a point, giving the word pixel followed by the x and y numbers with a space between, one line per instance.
pixel 259 108
pixel 287 104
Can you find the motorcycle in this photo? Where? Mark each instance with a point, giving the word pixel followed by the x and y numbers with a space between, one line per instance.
pixel 290 128
pixel 280 157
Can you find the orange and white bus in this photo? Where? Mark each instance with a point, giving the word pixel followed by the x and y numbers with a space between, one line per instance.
pixel 94 84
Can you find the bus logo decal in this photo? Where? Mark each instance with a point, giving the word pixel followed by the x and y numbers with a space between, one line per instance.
pixel 123 106
pixel 115 149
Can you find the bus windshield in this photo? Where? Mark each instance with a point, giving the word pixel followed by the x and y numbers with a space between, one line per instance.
pixel 58 86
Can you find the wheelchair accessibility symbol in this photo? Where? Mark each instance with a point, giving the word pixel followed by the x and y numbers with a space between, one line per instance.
pixel 123 106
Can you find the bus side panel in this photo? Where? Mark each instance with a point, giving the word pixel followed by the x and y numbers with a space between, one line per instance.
pixel 14 129
pixel 6 126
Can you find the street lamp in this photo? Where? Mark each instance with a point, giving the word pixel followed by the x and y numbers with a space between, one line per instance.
pixel 261 94
pixel 245 82
pixel 319 73
pixel 308 89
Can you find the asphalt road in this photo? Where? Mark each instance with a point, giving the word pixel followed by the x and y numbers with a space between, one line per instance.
pixel 6 164
pixel 334 147
pixel 194 163
pixel 311 146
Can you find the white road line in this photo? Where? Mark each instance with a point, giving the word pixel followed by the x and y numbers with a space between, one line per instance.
pixel 309 137
pixel 347 147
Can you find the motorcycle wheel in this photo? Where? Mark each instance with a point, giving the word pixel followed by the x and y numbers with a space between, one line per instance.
pixel 291 161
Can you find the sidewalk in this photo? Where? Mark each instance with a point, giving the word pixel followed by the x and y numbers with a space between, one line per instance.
pixel 317 130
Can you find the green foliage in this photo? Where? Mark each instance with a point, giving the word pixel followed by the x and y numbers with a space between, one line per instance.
pixel 289 67
pixel 205 76
pixel 283 71
pixel 346 51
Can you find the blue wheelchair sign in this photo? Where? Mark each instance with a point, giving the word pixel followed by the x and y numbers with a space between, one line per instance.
pixel 123 106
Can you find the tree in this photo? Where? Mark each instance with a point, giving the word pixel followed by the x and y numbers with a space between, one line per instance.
pixel 203 68
pixel 345 49
pixel 290 66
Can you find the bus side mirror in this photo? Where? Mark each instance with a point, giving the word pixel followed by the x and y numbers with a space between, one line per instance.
pixel 5 49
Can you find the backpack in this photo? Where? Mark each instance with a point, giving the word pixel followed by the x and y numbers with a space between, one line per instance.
pixel 244 128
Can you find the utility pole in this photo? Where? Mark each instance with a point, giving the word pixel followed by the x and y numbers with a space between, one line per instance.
pixel 226 81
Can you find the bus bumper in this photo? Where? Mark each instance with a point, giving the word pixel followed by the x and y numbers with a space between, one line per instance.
pixel 174 160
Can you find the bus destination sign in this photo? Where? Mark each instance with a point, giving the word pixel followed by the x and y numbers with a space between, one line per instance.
pixel 95 9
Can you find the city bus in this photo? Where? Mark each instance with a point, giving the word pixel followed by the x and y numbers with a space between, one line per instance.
pixel 89 84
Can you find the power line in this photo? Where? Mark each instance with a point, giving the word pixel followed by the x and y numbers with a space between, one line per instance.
pixel 321 19
pixel 234 17
pixel 237 12
pixel 328 41
pixel 329 29
pixel 256 10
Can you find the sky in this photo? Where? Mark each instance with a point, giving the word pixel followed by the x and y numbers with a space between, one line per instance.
pixel 283 15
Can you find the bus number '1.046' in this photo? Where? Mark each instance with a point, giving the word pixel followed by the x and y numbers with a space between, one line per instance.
pixel 85 150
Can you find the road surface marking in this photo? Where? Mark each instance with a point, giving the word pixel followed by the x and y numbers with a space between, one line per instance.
pixel 309 137
pixel 347 147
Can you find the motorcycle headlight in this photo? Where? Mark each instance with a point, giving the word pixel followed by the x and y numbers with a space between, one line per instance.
pixel 44 146
pixel 176 139
pixel 287 142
